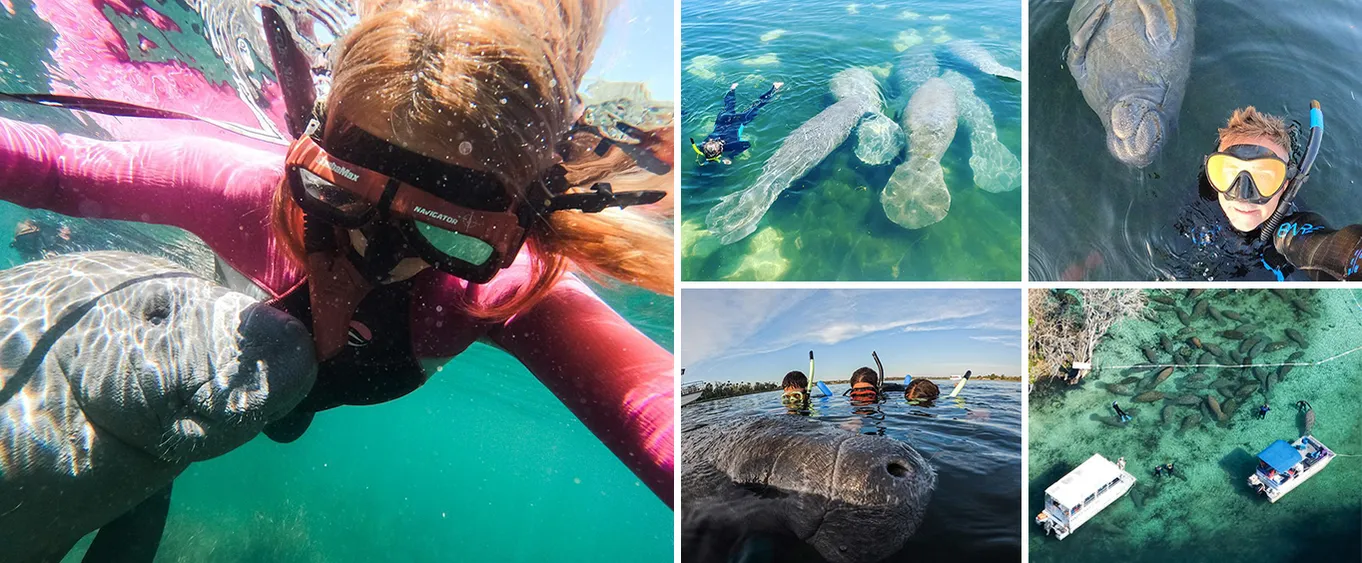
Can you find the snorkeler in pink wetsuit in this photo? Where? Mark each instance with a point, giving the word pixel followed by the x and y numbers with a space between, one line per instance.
pixel 396 232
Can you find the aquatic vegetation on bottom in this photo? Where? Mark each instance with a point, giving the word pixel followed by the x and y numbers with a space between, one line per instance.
pixel 907 40
pixel 761 60
pixel 702 66
pixel 772 35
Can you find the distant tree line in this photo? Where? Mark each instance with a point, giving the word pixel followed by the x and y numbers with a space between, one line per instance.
pixel 727 389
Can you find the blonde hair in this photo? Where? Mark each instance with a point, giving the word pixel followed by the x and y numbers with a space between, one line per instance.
pixel 496 80
pixel 1248 124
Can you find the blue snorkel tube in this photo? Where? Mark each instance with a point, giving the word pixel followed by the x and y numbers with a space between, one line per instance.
pixel 1269 229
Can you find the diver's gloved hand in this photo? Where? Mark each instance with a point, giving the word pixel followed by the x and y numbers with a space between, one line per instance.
pixel 1323 253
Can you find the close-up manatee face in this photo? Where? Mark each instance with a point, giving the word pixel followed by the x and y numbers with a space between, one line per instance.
pixel 854 498
pixel 185 369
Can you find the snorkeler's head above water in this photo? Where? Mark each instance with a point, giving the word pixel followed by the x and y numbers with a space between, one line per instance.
pixel 1251 167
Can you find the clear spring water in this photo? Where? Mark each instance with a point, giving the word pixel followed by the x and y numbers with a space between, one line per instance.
pixel 1095 218
pixel 482 463
pixel 830 225
pixel 1211 515
pixel 973 441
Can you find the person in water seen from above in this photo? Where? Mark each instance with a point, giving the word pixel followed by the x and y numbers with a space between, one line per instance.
pixel 796 396
pixel 864 387
pixel 725 142
pixel 1254 175
pixel 432 200
pixel 1120 413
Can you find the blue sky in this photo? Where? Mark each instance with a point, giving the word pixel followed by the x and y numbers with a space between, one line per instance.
pixel 639 46
pixel 759 334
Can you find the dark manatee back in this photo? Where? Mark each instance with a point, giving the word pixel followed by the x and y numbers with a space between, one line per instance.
pixel 851 497
pixel 118 370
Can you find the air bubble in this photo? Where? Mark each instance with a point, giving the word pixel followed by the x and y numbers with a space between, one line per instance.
pixel 465 148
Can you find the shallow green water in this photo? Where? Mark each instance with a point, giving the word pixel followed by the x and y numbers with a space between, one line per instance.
pixel 480 464
pixel 830 225
pixel 1212 515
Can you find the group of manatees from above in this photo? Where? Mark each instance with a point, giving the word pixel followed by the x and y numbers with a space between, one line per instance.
pixel 116 372
pixel 934 101
pixel 854 498
pixel 1212 365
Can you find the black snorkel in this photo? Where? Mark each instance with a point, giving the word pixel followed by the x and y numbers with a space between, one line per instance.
pixel 879 385
pixel 1269 229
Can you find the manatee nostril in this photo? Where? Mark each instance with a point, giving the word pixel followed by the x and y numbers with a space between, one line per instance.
pixel 157 315
pixel 898 469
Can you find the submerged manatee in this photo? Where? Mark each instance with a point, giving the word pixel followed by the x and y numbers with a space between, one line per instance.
pixel 736 215
pixel 792 476
pixel 996 169
pixel 116 372
pixel 1131 59
pixel 916 195
pixel 983 60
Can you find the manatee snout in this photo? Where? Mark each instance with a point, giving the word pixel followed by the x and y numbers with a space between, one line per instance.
pixel 881 491
pixel 1137 130
pixel 263 364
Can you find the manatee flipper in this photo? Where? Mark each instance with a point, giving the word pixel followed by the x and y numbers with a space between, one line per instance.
pixel 916 195
pixel 135 536
pixel 878 139
pixel 1082 35
pixel 996 169
pixel 1160 22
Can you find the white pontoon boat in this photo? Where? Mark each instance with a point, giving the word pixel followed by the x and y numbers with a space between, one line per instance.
pixel 691 390
pixel 1080 495
pixel 1282 467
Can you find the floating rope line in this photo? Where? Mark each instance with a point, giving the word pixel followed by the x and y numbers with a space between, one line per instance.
pixel 1254 365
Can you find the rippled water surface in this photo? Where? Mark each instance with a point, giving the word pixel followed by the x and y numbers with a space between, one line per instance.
pixel 1092 217
pixel 973 441
pixel 830 225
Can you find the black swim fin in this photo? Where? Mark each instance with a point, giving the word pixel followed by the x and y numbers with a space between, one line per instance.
pixel 289 428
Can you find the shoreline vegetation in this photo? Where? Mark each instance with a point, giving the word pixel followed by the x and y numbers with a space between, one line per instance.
pixel 715 391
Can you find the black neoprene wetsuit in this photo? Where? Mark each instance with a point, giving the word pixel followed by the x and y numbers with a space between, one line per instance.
pixel 728 126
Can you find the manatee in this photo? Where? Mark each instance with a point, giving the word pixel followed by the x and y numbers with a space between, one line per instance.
pixel 1199 310
pixel 1232 334
pixel 1307 422
pixel 1295 356
pixel 1193 293
pixel 1229 407
pixel 1283 370
pixel 1247 344
pixel 1131 59
pixel 1130 380
pixel 1167 415
pixel 1160 376
pixel 1195 342
pixel 116 372
pixel 983 60
pixel 1258 347
pixel 1198 376
pixel 1215 314
pixel 1275 346
pixel 1295 336
pixel 1109 420
pixel 1191 421
pixel 1185 400
pixel 1164 299
pixel 1117 388
pixel 1245 390
pixel 995 168
pixel 913 69
pixel 793 476
pixel 916 194
pixel 1234 316
pixel 1212 348
pixel 1148 397
pixel 1149 354
pixel 737 214
pixel 1165 343
pixel 1214 405
pixel 1184 318
pixel 878 139
pixel 1247 328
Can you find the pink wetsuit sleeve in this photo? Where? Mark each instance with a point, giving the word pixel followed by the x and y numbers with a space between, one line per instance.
pixel 616 380
pixel 219 191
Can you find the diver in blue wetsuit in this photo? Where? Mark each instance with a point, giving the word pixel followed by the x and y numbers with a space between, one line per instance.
pixel 1255 174
pixel 726 139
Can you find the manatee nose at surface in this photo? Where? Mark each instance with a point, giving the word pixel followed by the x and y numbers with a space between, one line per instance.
pixel 885 468
pixel 1137 131
pixel 276 357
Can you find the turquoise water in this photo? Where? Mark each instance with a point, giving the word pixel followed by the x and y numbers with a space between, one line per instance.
pixel 830 225
pixel 1212 515
pixel 973 442
pixel 482 463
